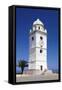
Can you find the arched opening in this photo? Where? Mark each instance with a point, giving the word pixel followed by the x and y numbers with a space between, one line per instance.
pixel 39 27
pixel 40 51
pixel 41 37
pixel 41 67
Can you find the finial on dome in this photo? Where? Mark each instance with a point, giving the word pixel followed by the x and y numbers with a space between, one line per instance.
pixel 38 19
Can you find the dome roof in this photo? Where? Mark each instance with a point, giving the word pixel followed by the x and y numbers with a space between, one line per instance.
pixel 38 22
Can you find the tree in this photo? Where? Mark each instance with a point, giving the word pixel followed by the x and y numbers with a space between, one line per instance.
pixel 22 64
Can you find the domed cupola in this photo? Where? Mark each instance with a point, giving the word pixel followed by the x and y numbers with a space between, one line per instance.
pixel 38 25
pixel 38 22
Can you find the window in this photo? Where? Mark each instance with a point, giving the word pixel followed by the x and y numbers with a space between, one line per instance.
pixel 32 38
pixel 41 45
pixel 41 67
pixel 41 38
pixel 40 51
pixel 39 27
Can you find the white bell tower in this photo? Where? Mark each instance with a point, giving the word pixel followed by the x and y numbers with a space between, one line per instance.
pixel 38 46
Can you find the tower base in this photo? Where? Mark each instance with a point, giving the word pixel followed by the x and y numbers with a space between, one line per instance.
pixel 37 72
pixel 33 72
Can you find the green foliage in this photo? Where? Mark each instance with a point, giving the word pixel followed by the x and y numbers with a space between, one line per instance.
pixel 22 64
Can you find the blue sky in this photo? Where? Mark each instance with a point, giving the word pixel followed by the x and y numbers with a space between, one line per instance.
pixel 24 20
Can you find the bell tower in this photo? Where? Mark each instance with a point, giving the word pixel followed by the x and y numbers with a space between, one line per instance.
pixel 38 46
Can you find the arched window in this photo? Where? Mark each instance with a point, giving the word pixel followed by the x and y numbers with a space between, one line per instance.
pixel 39 27
pixel 41 67
pixel 41 37
pixel 32 38
pixel 40 51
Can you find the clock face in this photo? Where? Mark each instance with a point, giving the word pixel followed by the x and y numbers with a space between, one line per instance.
pixel 41 43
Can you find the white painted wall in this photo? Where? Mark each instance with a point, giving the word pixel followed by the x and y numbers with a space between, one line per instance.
pixel 32 51
pixel 41 58
pixel 35 47
pixel 38 41
pixel 32 44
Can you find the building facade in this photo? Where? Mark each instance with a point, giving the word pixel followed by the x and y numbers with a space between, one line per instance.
pixel 38 46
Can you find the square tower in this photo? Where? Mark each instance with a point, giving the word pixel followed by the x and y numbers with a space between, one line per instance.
pixel 38 46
